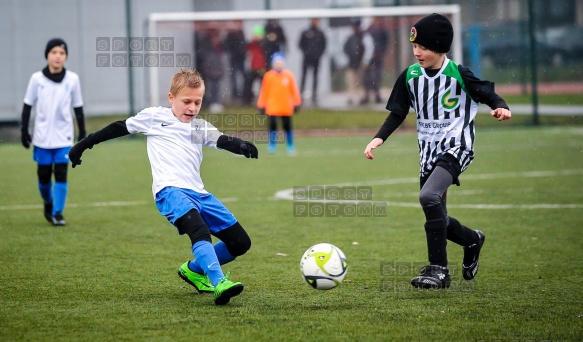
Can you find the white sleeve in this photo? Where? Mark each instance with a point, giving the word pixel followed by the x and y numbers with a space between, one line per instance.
pixel 76 98
pixel 140 123
pixel 210 134
pixel 31 92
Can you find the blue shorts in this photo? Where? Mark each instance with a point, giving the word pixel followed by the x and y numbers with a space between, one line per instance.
pixel 175 202
pixel 48 156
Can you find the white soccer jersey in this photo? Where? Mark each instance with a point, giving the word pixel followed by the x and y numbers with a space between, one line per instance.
pixel 53 123
pixel 174 147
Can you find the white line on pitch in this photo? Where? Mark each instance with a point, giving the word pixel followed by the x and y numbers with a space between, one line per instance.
pixel 76 205
pixel 288 194
pixel 94 204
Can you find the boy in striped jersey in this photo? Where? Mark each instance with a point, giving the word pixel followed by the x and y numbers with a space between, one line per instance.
pixel 445 97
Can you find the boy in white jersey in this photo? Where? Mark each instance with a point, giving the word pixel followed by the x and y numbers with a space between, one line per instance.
pixel 53 91
pixel 175 137
pixel 445 97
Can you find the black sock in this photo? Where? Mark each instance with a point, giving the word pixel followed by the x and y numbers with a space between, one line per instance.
pixel 436 234
pixel 460 234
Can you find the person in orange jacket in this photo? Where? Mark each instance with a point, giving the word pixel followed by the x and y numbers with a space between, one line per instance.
pixel 279 97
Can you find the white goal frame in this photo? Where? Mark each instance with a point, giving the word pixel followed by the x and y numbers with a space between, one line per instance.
pixel 394 11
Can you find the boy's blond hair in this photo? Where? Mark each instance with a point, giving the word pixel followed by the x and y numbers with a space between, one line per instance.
pixel 185 78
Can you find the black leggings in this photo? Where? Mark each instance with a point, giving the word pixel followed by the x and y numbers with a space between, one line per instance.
pixel 433 197
pixel 285 121
pixel 235 237
pixel 45 172
pixel 434 190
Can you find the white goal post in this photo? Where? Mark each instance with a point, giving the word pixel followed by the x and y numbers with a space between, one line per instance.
pixel 394 11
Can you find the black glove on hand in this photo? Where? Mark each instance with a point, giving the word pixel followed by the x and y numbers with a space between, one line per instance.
pixel 296 109
pixel 249 150
pixel 77 150
pixel 25 138
pixel 261 111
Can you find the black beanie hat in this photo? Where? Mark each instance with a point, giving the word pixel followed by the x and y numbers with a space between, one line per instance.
pixel 55 42
pixel 433 32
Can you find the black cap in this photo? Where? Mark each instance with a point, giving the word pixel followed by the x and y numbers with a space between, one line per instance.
pixel 55 42
pixel 433 32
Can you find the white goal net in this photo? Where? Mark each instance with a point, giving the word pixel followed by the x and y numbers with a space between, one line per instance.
pixel 174 37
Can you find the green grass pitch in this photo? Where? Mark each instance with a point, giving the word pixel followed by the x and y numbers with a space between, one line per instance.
pixel 110 274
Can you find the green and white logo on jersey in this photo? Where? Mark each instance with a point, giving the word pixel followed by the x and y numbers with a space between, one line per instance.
pixel 449 102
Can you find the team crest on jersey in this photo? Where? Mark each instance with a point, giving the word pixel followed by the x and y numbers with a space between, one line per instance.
pixel 448 101
pixel 413 34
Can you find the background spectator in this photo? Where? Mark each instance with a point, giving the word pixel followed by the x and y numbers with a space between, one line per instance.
pixel 235 46
pixel 274 39
pixel 354 49
pixel 257 65
pixel 373 73
pixel 313 45
pixel 210 64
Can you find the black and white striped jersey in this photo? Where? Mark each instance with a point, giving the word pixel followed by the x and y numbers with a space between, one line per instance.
pixel 446 103
pixel 445 115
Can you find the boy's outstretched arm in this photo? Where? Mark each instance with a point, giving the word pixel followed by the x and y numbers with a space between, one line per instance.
pixel 114 130
pixel 483 92
pixel 501 113
pixel 392 122
pixel 374 143
pixel 238 146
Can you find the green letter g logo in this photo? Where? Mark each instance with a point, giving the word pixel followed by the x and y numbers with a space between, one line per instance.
pixel 449 102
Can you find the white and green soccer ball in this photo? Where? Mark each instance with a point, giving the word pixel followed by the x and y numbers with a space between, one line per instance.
pixel 323 266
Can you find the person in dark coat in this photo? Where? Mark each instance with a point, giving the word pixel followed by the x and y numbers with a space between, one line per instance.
pixel 313 44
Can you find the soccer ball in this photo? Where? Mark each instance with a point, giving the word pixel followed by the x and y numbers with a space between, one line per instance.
pixel 323 266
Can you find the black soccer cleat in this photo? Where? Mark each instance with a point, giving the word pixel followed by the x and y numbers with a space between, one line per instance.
pixel 432 277
pixel 48 211
pixel 58 220
pixel 470 264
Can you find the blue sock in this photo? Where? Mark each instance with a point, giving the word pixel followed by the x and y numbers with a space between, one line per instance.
pixel 60 197
pixel 46 191
pixel 206 259
pixel 272 139
pixel 290 140
pixel 222 253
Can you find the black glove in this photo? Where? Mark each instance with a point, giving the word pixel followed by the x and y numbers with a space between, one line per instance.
pixel 296 109
pixel 261 111
pixel 249 150
pixel 82 135
pixel 77 150
pixel 25 137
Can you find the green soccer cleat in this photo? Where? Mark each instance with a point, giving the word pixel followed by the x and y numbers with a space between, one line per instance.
pixel 199 281
pixel 227 289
